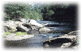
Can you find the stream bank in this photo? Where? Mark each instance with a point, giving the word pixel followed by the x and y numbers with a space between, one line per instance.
pixel 56 30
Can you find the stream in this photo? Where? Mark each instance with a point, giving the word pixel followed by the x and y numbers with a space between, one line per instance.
pixel 57 30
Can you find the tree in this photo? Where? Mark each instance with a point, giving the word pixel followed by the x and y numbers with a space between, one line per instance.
pixel 15 11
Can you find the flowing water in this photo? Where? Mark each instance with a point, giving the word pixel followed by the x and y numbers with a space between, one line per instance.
pixel 57 30
pixel 61 28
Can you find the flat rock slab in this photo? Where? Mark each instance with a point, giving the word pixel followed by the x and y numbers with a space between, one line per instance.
pixel 12 37
pixel 63 36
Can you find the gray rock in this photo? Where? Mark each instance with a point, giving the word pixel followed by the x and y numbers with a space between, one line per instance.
pixel 22 20
pixel 65 40
pixel 12 37
pixel 21 26
pixel 66 45
pixel 10 24
pixel 33 22
pixel 44 29
pixel 75 47
pixel 72 33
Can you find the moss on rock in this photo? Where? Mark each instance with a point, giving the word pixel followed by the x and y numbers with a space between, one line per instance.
pixel 20 33
pixel 6 33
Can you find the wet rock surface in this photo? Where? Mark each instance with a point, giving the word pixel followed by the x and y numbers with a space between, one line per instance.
pixel 12 37
pixel 64 41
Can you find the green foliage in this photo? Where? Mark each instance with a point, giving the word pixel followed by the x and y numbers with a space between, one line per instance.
pixel 6 33
pixel 50 12
pixel 15 11
pixel 20 33
pixel 37 11
pixel 53 11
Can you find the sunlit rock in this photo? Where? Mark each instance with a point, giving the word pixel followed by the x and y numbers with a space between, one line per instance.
pixel 13 37
pixel 33 22
pixel 44 29
pixel 10 25
pixel 22 19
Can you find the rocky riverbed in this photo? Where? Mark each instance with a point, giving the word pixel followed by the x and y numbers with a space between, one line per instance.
pixel 69 40
pixel 37 35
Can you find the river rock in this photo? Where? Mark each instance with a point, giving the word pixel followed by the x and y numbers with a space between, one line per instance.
pixel 30 24
pixel 72 33
pixel 20 27
pixel 12 37
pixel 66 45
pixel 75 47
pixel 10 25
pixel 22 20
pixel 15 25
pixel 27 25
pixel 44 29
pixel 6 29
pixel 63 41
pixel 33 22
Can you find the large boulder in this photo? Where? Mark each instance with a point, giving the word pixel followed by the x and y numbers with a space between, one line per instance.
pixel 9 25
pixel 15 25
pixel 63 41
pixel 33 22
pixel 21 27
